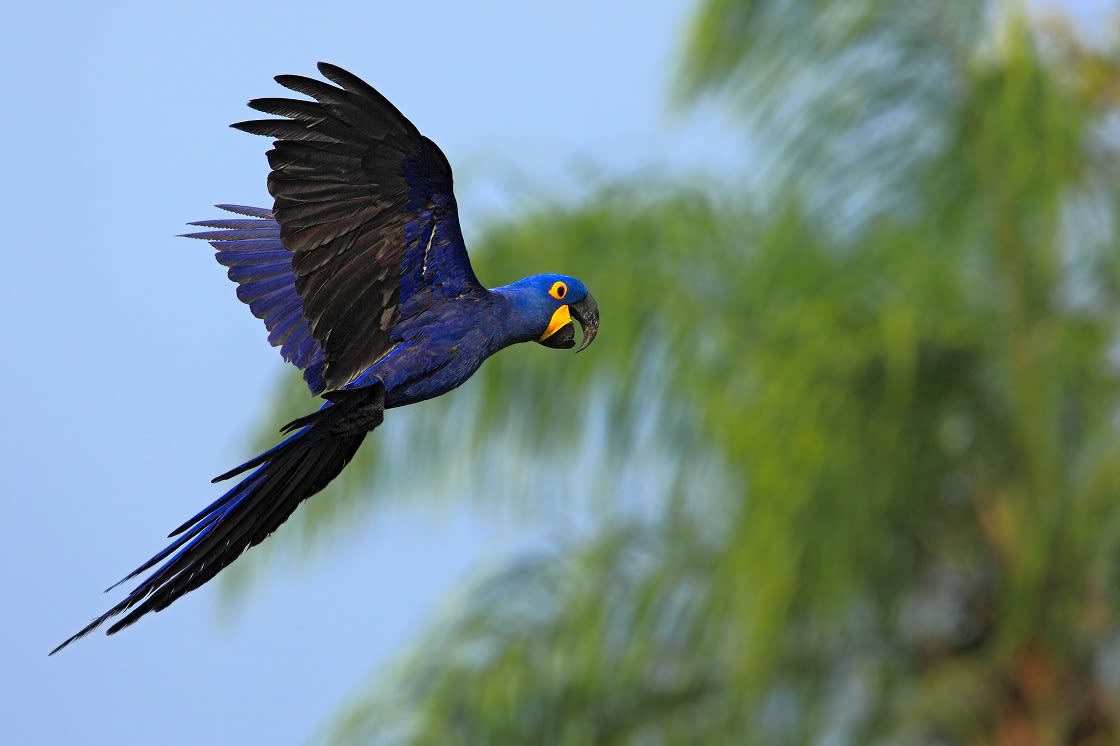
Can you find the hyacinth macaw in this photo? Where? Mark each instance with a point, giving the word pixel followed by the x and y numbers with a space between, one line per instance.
pixel 360 274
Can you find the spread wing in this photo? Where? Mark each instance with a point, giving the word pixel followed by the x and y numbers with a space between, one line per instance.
pixel 262 268
pixel 365 205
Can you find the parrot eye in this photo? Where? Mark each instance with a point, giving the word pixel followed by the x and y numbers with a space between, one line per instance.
pixel 558 290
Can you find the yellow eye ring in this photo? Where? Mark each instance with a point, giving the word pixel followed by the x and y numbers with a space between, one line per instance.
pixel 558 290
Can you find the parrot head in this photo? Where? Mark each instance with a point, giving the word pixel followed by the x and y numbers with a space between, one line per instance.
pixel 554 302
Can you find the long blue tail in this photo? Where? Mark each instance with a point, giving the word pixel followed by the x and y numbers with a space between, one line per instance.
pixel 282 477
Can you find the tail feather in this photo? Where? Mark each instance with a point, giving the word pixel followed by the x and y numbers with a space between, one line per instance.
pixel 223 541
pixel 301 439
pixel 285 476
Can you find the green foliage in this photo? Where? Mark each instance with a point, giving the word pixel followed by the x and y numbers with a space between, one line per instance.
pixel 598 610
pixel 844 100
pixel 887 381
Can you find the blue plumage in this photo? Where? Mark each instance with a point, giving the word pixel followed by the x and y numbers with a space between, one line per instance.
pixel 262 268
pixel 361 276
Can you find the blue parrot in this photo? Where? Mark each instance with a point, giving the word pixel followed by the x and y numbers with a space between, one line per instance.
pixel 361 276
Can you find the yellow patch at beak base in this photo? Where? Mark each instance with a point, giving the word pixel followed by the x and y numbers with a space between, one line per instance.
pixel 561 317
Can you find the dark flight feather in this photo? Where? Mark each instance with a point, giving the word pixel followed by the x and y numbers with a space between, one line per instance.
pixel 358 191
pixel 257 261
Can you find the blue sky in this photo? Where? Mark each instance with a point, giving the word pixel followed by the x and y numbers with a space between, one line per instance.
pixel 134 375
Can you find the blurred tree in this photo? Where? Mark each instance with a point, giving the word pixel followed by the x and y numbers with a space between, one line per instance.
pixel 883 364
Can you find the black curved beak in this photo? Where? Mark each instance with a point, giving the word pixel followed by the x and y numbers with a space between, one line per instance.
pixel 586 312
